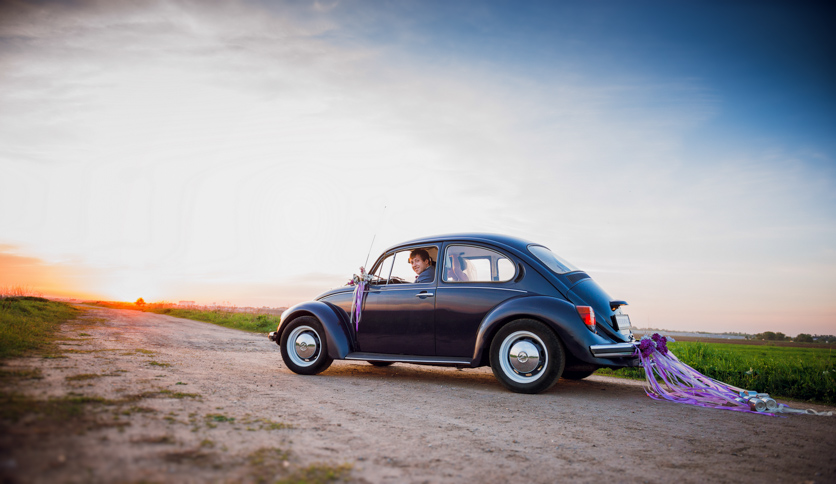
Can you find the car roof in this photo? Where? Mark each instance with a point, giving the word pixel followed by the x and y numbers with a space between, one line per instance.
pixel 507 240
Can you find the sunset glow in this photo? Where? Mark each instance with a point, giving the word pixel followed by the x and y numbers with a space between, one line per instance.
pixel 245 151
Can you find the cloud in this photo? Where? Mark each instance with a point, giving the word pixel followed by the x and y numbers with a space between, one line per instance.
pixel 247 145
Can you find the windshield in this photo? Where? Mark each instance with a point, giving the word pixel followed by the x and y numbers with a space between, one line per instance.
pixel 552 261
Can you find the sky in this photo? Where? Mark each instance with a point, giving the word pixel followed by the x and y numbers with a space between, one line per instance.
pixel 251 152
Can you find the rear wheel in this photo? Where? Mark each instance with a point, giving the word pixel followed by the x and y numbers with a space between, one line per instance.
pixel 526 356
pixel 303 346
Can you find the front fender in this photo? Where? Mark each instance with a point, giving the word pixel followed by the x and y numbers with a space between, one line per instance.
pixel 337 335
pixel 560 315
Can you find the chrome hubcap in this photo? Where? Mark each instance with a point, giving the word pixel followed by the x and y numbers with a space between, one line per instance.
pixel 523 357
pixel 303 346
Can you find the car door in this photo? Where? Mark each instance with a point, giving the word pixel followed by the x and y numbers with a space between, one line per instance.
pixel 398 316
pixel 473 280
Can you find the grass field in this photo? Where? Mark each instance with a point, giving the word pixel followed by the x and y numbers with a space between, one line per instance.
pixel 256 323
pixel 792 372
pixel 28 323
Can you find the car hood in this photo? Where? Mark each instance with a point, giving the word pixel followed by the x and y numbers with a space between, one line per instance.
pixel 337 290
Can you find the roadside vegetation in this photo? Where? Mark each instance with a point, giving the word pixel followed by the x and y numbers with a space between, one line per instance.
pixel 254 323
pixel 800 338
pixel 766 336
pixel 29 323
pixel 799 373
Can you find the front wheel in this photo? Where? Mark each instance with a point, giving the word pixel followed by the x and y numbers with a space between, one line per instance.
pixel 303 346
pixel 526 356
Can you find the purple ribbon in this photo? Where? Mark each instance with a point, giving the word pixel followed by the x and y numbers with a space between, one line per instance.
pixel 682 384
pixel 357 303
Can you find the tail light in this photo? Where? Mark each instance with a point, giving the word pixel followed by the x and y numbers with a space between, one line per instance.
pixel 588 316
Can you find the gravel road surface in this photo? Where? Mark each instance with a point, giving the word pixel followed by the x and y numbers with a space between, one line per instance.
pixel 171 400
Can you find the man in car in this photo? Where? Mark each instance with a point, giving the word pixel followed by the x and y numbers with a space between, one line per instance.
pixel 422 265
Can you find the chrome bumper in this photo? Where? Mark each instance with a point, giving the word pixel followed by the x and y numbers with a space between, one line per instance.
pixel 614 350
pixel 272 336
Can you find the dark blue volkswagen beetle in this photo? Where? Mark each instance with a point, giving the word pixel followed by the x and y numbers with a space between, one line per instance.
pixel 493 300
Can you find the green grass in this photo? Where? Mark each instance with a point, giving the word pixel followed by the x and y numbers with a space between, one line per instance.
pixel 179 395
pixel 14 406
pixel 22 374
pixel 83 376
pixel 29 323
pixel 317 474
pixel 217 417
pixel 792 372
pixel 256 323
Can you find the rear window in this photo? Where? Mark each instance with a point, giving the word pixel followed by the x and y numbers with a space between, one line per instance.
pixel 551 260
pixel 465 263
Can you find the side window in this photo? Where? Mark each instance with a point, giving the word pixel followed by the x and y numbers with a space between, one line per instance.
pixel 506 269
pixel 403 270
pixel 464 263
pixel 384 269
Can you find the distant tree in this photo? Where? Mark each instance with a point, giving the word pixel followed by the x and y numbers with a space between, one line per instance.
pixel 824 338
pixel 140 302
pixel 803 338
pixel 770 336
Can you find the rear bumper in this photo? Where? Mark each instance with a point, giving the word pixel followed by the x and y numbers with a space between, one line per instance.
pixel 613 350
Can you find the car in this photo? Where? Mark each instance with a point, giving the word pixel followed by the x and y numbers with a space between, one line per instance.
pixel 493 300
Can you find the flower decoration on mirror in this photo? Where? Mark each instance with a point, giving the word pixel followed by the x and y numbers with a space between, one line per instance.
pixel 357 279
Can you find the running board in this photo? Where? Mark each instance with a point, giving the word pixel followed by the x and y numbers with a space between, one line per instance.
pixel 436 360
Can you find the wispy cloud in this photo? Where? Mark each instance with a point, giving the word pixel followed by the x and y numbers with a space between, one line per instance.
pixel 249 145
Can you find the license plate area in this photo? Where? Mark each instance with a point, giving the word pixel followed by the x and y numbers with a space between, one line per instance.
pixel 622 322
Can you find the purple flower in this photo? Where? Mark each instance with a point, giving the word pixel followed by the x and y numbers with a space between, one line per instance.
pixel 656 337
pixel 646 347
pixel 662 346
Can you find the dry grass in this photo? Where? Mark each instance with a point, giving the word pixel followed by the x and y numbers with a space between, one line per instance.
pixel 19 290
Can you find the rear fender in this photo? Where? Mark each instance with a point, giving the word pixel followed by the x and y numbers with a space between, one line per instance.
pixel 337 334
pixel 558 314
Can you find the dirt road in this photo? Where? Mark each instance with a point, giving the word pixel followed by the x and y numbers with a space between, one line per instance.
pixel 159 399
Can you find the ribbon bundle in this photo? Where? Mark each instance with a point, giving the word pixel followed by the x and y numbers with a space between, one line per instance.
pixel 359 292
pixel 683 384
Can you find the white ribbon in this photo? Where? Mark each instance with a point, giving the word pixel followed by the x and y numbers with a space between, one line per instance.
pixel 785 409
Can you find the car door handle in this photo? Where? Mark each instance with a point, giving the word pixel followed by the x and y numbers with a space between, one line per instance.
pixel 424 294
